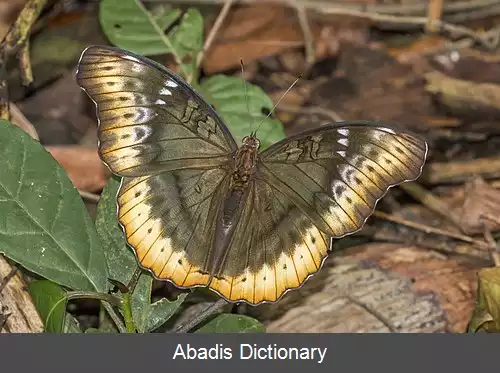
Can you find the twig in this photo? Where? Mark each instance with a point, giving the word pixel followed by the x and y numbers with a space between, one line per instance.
pixel 414 14
pixel 312 110
pixel 25 64
pixel 210 310
pixel 428 229
pixel 430 201
pixel 495 255
pixel 15 38
pixel 114 316
pixel 409 20
pixel 19 31
pixel 7 278
pixel 434 243
pixel 111 299
pixel 4 315
pixel 213 32
pixel 434 12
pixel 491 218
pixel 306 31
pixel 414 8
pixel 458 171
pixel 89 196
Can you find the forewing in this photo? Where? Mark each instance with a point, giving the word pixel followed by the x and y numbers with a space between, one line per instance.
pixel 337 173
pixel 149 119
pixel 169 220
pixel 275 247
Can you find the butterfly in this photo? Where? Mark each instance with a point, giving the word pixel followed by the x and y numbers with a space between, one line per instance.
pixel 199 210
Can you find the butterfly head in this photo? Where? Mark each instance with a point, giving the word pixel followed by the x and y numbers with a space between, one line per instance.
pixel 251 142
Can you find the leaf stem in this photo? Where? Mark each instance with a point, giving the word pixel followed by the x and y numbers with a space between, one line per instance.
pixel 127 312
pixel 15 38
pixel 165 38
pixel 111 299
pixel 207 312
pixel 210 38
pixel 108 301
pixel 114 316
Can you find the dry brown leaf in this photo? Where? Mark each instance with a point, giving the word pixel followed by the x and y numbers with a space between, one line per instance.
pixel 481 201
pixel 253 32
pixel 83 165
pixel 18 118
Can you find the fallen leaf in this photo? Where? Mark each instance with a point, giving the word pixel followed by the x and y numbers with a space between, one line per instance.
pixel 253 32
pixel 21 121
pixel 481 201
pixel 83 165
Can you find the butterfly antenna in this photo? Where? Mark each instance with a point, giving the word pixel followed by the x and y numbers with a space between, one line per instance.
pixel 277 103
pixel 246 89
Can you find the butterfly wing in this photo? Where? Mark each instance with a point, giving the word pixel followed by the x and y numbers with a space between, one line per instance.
pixel 169 219
pixel 150 120
pixel 319 184
pixel 338 172
pixel 173 152
pixel 275 247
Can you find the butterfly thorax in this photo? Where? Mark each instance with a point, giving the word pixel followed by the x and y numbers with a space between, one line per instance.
pixel 245 162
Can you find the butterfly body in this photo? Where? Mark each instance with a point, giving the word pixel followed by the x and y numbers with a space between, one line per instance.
pixel 245 162
pixel 200 211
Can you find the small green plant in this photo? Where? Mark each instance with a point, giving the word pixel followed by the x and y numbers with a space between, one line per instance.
pixel 44 225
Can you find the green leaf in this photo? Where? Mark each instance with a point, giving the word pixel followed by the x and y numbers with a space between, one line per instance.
pixel 44 225
pixel 230 323
pixel 162 310
pixel 486 315
pixel 120 259
pixel 129 25
pixel 164 15
pixel 71 325
pixel 149 316
pixel 480 321
pixel 106 324
pixel 50 301
pixel 93 330
pixel 228 95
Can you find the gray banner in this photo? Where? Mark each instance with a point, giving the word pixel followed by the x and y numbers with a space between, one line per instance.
pixel 245 353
